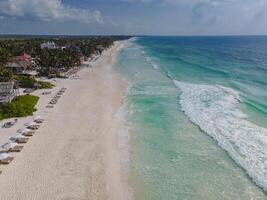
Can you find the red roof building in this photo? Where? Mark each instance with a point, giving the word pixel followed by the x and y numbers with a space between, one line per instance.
pixel 24 57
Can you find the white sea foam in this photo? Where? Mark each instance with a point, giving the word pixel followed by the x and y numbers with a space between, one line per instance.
pixel 148 59
pixel 124 138
pixel 154 65
pixel 133 39
pixel 215 110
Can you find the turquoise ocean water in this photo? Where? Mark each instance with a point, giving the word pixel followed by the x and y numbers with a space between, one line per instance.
pixel 198 117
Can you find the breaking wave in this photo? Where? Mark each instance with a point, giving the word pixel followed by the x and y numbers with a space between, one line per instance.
pixel 215 109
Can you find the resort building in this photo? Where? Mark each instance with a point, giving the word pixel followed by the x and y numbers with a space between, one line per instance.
pixel 21 63
pixel 48 45
pixel 24 57
pixel 15 67
pixel 7 92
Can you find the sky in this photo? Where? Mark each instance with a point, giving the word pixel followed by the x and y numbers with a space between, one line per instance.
pixel 134 17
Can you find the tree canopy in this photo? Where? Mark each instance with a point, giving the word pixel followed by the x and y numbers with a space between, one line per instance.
pixel 67 55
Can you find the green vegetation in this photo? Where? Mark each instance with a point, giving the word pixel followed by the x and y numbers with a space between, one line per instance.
pixel 53 61
pixel 56 75
pixel 31 82
pixel 45 85
pixel 5 75
pixel 21 106
pixel 61 76
pixel 68 53
pixel 23 81
pixel 26 81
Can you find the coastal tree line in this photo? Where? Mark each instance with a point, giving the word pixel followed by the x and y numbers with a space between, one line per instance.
pixel 51 61
pixel 64 54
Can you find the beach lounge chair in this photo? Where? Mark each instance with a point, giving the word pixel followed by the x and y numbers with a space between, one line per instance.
pixel 26 132
pixel 16 149
pixel 32 125
pixel 38 120
pixel 14 122
pixel 5 159
pixel 10 124
pixel 12 147
pixel 22 140
pixel 63 89
pixel 7 125
pixel 46 93
pixel 53 101
pixel 19 138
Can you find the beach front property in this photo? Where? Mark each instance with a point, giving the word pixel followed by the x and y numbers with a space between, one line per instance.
pixel 74 153
pixel 49 139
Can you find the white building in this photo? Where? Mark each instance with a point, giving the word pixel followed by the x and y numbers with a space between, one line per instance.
pixel 7 92
pixel 48 45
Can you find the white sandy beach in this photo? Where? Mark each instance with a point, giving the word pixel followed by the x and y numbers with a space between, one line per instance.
pixel 75 154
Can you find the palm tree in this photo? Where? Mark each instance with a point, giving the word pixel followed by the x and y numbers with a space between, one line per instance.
pixel 5 75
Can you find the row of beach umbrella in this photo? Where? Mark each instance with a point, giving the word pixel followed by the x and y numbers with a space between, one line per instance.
pixel 21 137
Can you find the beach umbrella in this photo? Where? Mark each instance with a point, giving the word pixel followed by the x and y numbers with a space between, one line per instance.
pixel 38 118
pixel 19 135
pixel 3 156
pixel 10 145
pixel 23 130
pixel 30 124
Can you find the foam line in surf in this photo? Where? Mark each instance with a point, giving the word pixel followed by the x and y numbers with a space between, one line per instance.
pixel 154 65
pixel 215 110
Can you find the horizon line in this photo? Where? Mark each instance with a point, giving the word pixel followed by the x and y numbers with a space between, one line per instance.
pixel 133 35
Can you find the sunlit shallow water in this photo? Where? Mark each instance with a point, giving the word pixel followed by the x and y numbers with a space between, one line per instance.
pixel 197 118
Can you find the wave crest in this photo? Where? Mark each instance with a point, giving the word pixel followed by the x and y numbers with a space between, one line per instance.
pixel 215 110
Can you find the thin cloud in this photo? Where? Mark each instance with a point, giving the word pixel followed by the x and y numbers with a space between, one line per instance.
pixel 48 10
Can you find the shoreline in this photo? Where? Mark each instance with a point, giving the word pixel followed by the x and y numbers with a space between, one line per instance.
pixel 76 152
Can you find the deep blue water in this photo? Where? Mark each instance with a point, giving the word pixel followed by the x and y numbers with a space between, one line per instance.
pixel 232 61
